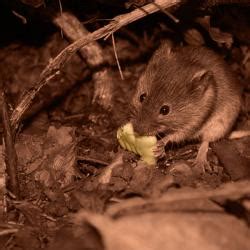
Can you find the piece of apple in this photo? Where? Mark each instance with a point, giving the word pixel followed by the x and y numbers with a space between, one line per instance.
pixel 141 145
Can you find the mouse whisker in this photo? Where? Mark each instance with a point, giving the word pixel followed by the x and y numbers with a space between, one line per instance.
pixel 132 110
pixel 160 135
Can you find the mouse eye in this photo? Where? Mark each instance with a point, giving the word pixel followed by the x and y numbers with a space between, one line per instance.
pixel 142 97
pixel 164 110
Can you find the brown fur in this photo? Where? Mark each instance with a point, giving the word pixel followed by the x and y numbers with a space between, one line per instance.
pixel 202 93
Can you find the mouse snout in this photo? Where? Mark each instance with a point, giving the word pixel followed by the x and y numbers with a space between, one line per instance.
pixel 138 127
pixel 141 128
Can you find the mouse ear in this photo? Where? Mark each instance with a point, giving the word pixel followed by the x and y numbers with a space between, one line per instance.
pixel 201 80
pixel 166 48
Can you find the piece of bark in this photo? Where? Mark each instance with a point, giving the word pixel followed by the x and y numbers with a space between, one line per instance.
pixel 93 54
pixel 9 152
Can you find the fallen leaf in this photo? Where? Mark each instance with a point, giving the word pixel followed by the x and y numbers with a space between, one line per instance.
pixel 220 37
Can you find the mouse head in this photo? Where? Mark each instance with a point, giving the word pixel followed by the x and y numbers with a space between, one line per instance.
pixel 172 96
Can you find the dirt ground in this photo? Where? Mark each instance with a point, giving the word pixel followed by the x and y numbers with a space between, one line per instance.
pixel 65 182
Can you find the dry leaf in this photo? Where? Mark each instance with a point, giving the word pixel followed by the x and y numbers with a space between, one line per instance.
pixel 220 37
pixel 172 231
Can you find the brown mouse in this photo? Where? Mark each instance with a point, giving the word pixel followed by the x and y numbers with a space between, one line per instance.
pixel 186 93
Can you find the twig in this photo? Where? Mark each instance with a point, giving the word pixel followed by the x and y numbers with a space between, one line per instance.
pixel 9 152
pixel 72 117
pixel 27 100
pixel 22 18
pixel 73 29
pixel 176 20
pixel 92 160
pixel 8 231
pixel 54 66
pixel 116 57
pixel 60 7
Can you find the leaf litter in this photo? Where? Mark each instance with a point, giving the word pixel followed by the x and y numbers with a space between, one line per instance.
pixel 80 190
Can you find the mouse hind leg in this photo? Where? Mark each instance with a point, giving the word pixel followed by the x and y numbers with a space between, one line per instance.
pixel 201 163
pixel 216 128
pixel 213 131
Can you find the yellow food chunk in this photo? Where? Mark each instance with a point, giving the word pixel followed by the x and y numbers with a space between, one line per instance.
pixel 141 145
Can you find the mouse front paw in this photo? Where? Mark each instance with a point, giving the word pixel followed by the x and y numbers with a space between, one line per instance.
pixel 159 150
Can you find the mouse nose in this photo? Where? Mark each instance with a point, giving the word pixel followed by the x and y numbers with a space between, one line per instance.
pixel 139 127
pixel 136 126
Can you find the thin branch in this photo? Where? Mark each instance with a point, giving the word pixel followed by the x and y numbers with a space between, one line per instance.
pixel 73 29
pixel 60 6
pixel 176 20
pixel 116 57
pixel 8 231
pixel 56 64
pixel 61 11
pixel 92 160
pixel 22 18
